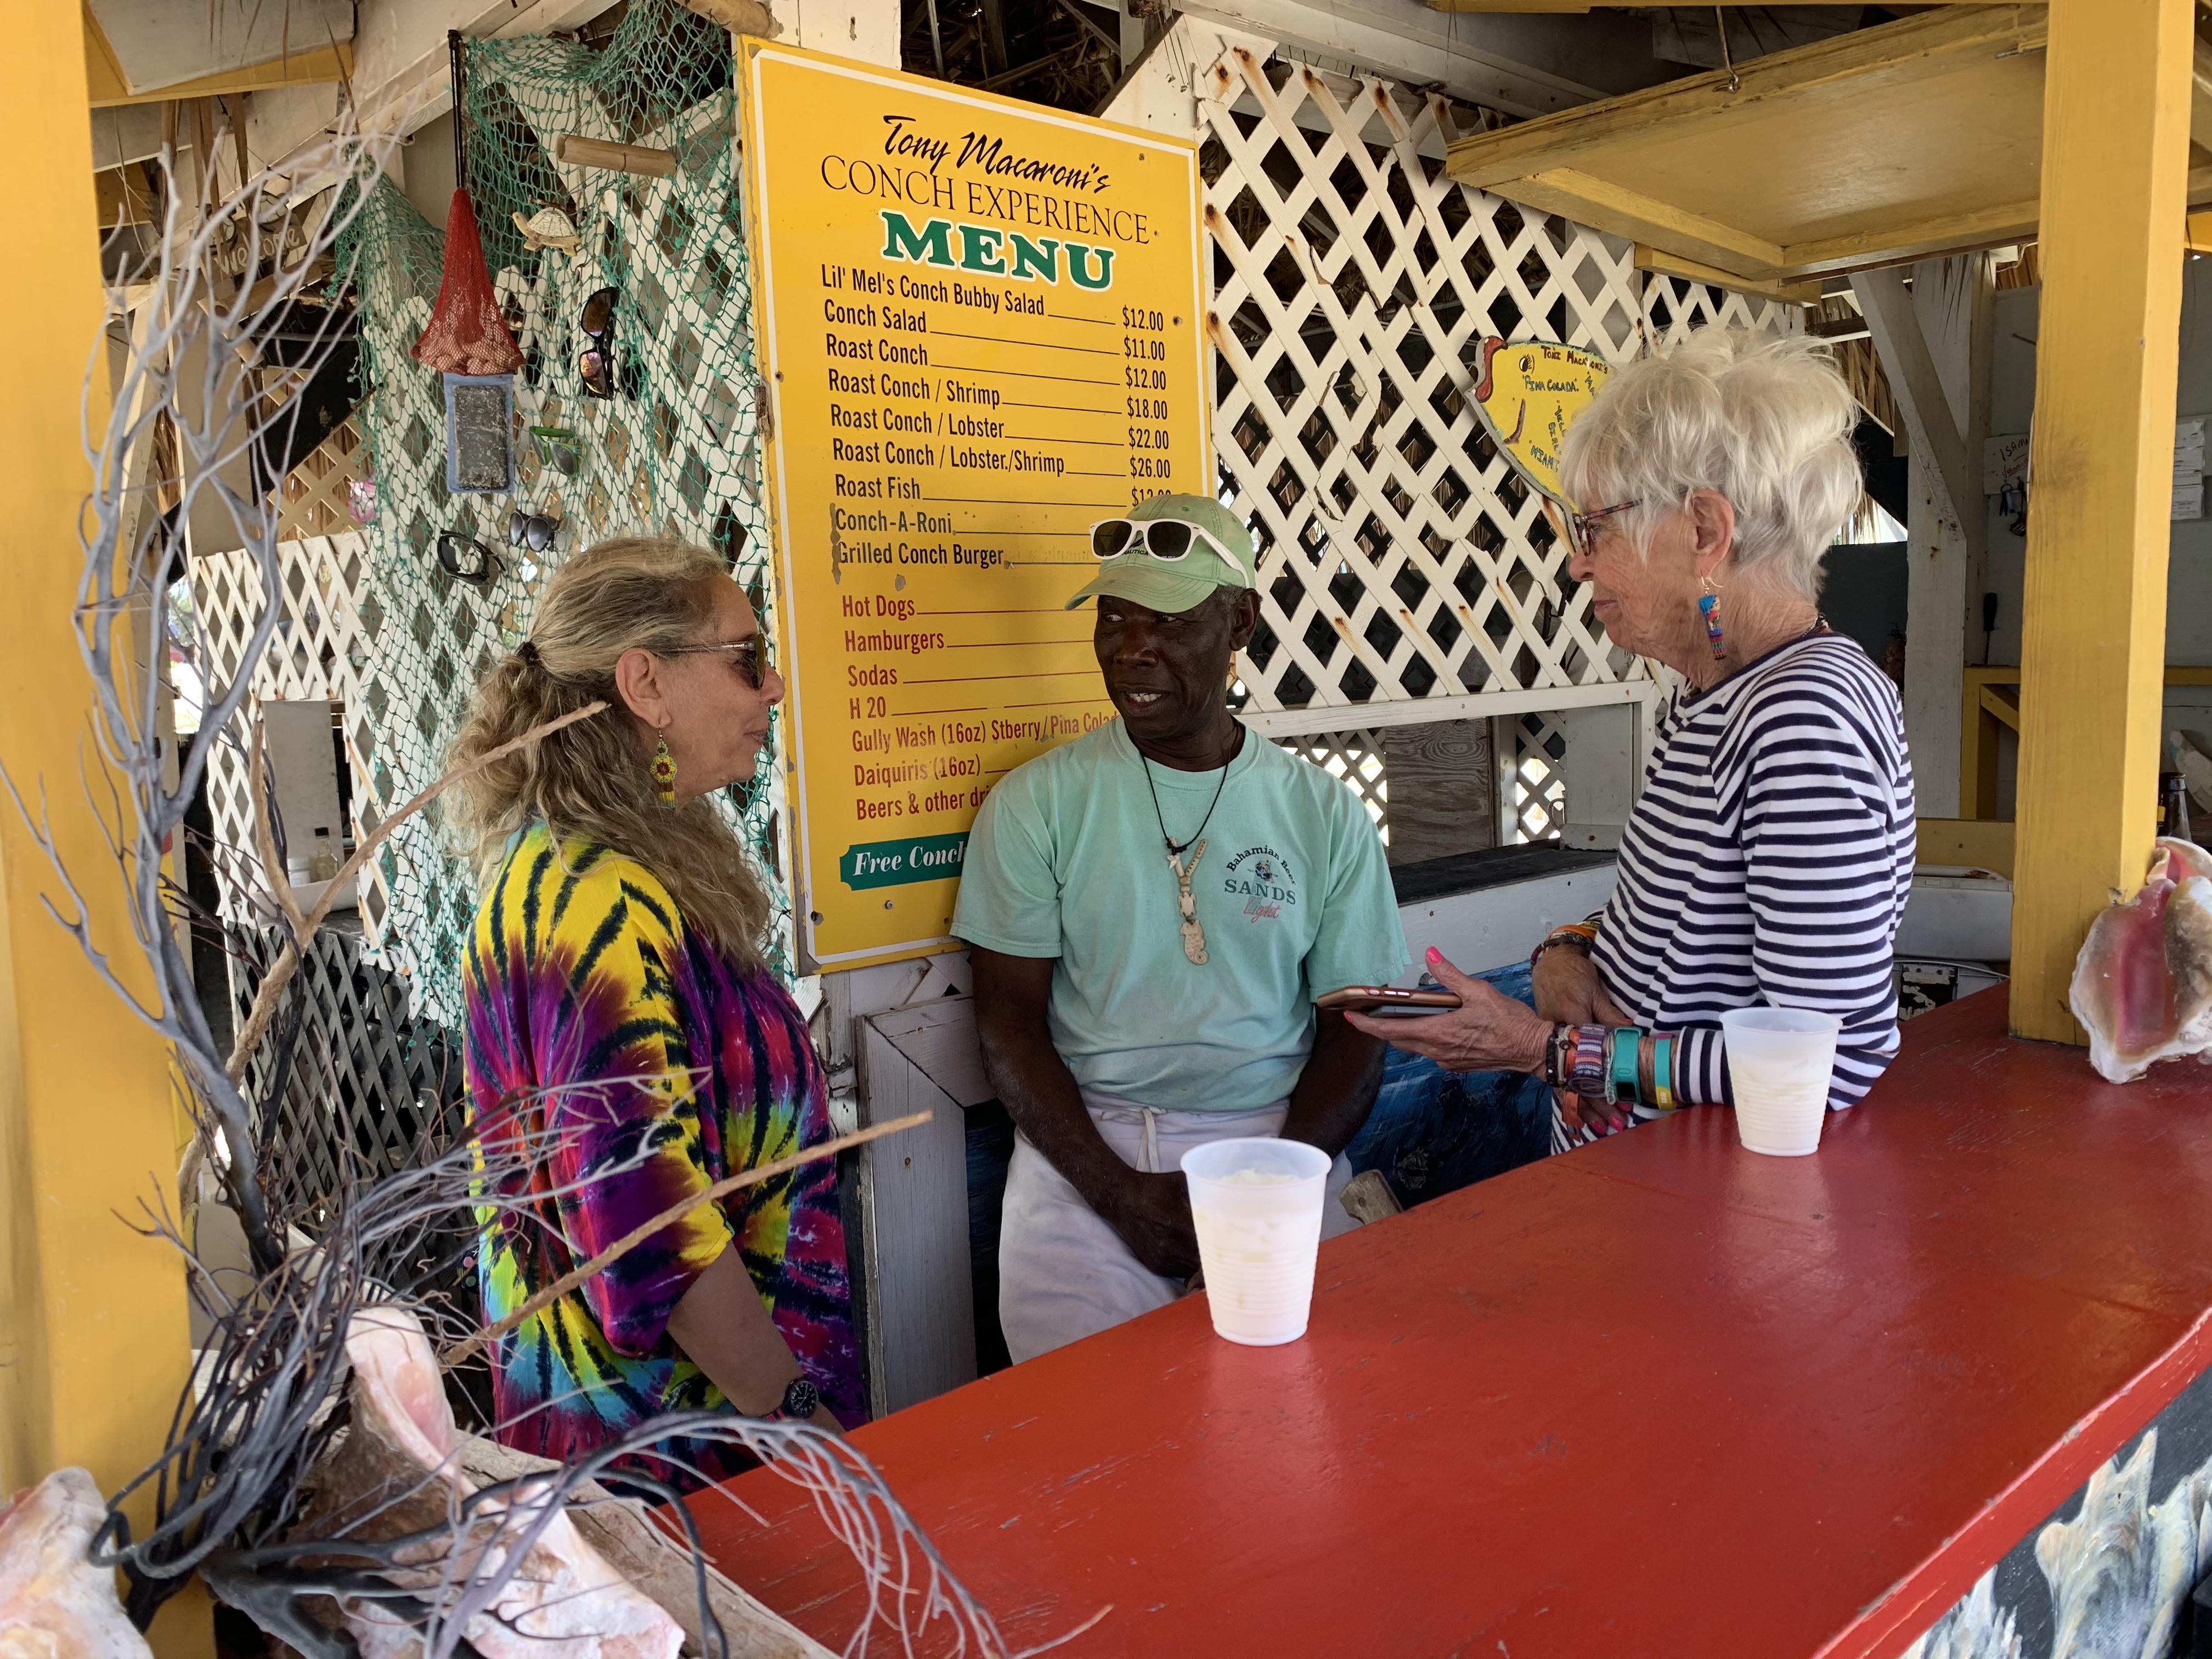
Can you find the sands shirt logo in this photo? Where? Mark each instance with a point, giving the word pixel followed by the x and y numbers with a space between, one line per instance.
pixel 1262 877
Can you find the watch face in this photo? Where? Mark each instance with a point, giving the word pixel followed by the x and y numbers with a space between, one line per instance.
pixel 800 1399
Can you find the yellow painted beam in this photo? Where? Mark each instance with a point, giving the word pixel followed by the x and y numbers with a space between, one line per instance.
pixel 1893 244
pixel 1887 57
pixel 1603 205
pixel 106 85
pixel 1965 840
pixel 2006 710
pixel 105 81
pixel 93 1343
pixel 2116 112
pixel 1669 264
pixel 2200 95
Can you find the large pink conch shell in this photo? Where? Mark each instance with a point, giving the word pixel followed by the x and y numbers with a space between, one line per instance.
pixel 52 1599
pixel 2143 985
pixel 399 1470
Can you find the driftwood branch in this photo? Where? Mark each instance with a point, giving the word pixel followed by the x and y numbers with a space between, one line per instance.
pixel 630 1241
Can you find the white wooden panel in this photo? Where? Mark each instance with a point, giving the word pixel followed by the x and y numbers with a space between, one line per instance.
pixel 1601 767
pixel 1497 926
pixel 939 1038
pixel 920 1312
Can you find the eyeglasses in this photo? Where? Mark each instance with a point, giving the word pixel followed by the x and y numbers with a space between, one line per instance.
pixel 1582 527
pixel 1163 538
pixel 534 530
pixel 466 559
pixel 748 657
pixel 559 448
pixel 595 362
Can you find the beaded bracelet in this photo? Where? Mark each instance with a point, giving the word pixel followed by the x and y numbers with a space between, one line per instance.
pixel 1590 1071
pixel 1577 939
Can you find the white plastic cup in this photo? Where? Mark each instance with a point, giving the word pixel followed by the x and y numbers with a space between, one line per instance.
pixel 1256 1204
pixel 1779 1063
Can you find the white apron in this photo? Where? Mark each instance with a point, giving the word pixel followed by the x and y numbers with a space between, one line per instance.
pixel 1064 1275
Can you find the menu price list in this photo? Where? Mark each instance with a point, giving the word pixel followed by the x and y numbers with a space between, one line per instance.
pixel 966 401
pixel 929 382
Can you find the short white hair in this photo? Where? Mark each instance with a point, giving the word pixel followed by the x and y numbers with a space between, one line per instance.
pixel 1765 420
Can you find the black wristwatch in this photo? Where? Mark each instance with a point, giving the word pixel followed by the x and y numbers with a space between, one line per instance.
pixel 800 1401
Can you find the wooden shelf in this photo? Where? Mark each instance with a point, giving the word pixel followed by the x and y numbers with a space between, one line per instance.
pixel 1911 139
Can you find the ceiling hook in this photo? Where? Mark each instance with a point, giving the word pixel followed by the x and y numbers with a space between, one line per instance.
pixel 1735 82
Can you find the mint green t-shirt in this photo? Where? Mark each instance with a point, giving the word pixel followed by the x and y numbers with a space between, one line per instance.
pixel 1292 890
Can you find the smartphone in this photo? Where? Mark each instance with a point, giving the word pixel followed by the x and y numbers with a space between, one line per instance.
pixel 1388 1000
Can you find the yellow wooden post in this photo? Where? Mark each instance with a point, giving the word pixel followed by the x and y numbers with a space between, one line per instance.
pixel 93 1341
pixel 2115 157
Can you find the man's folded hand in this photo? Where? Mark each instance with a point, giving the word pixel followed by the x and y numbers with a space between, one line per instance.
pixel 1152 1214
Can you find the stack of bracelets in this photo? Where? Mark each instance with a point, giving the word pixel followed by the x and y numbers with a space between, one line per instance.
pixel 1616 1063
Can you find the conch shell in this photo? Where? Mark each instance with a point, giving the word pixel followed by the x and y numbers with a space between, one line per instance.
pixel 399 1471
pixel 54 1603
pixel 2142 984
pixel 622 1530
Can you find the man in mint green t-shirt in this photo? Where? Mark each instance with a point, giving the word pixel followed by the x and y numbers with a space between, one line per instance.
pixel 1151 910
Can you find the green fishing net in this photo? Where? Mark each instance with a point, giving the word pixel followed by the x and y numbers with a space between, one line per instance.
pixel 674 451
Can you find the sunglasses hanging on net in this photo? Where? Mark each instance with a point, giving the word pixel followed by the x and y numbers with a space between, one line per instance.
pixel 535 531
pixel 465 559
pixel 559 448
pixel 595 363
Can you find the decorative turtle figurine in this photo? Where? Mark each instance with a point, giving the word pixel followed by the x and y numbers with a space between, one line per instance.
pixel 548 227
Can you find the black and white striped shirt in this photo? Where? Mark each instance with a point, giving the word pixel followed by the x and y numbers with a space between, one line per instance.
pixel 1768 860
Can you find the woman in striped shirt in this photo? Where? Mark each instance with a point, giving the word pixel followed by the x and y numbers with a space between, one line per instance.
pixel 1769 857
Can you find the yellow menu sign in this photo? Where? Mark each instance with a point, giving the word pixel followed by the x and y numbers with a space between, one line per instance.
pixel 1529 391
pixel 981 325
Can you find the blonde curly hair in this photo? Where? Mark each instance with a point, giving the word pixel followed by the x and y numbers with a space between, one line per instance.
pixel 592 781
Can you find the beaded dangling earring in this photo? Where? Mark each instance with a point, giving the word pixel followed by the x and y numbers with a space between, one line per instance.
pixel 664 773
pixel 1709 608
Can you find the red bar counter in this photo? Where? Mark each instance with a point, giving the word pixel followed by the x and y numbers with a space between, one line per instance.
pixel 1659 1397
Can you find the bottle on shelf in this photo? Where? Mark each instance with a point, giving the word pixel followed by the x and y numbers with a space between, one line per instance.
pixel 324 865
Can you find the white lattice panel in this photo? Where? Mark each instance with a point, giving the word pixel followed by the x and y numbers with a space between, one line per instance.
pixel 1673 307
pixel 1356 757
pixel 314 499
pixel 1353 284
pixel 320 651
pixel 1538 794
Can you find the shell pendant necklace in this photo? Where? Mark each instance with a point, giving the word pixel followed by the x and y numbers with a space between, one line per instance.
pixel 1194 935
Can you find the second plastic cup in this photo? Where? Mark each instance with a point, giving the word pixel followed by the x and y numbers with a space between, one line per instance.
pixel 1779 1063
pixel 1256 1205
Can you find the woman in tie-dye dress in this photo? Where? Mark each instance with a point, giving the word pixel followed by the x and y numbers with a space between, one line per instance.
pixel 620 1020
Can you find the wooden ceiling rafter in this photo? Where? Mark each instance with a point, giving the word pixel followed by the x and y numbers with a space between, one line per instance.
pixel 1897 143
pixel 110 87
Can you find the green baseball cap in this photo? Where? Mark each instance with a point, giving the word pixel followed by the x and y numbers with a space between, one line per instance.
pixel 1170 585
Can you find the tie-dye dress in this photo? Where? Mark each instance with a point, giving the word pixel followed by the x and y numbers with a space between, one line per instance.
pixel 652 1068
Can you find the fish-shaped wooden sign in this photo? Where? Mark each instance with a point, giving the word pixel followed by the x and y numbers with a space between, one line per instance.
pixel 1529 393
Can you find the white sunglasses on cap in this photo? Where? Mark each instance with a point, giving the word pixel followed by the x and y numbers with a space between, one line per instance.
pixel 1163 538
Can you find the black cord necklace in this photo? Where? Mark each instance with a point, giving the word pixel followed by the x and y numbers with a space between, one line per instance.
pixel 1166 840
pixel 1193 936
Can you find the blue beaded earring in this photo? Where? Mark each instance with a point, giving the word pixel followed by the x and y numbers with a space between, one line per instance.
pixel 1709 608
